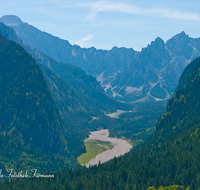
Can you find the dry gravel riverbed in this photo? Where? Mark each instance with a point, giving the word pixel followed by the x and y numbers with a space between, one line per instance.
pixel 120 147
pixel 117 113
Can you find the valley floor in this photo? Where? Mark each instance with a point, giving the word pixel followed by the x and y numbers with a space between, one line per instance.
pixel 120 147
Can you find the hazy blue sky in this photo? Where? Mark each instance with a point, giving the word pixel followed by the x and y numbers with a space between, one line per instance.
pixel 104 24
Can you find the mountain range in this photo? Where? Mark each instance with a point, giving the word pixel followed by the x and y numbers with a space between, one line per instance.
pixel 125 74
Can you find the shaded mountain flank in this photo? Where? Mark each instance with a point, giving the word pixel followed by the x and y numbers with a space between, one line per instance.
pixel 31 130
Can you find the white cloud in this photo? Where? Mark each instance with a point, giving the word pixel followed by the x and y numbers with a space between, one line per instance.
pixel 100 6
pixel 82 41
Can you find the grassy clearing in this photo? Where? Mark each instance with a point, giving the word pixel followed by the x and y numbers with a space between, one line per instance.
pixel 94 147
pixel 106 144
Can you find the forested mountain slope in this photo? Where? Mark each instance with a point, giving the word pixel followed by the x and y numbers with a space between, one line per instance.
pixel 31 130
pixel 170 156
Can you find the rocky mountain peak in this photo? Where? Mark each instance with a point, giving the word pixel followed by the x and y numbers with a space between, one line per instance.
pixel 177 39
pixel 184 46
pixel 157 45
pixel 158 42
pixel 181 35
pixel 11 20
pixel 115 48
